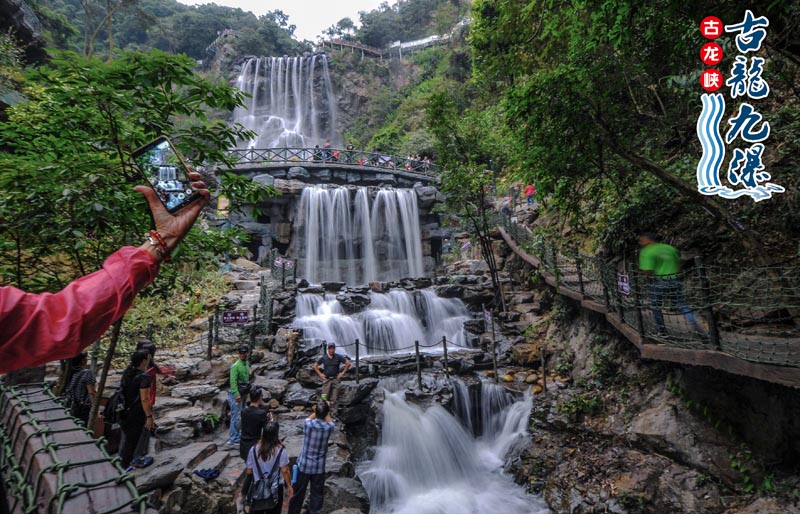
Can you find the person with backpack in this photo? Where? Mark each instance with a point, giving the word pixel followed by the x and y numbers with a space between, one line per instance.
pixel 263 461
pixel 80 391
pixel 138 412
pixel 140 457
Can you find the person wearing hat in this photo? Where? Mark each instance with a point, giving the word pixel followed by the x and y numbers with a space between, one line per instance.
pixel 330 374
pixel 240 376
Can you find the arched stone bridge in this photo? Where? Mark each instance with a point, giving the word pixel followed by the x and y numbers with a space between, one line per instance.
pixel 335 165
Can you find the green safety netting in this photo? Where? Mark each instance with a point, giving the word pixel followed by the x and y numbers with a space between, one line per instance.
pixel 34 410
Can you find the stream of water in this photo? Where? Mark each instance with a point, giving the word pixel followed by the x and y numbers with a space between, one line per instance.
pixel 428 462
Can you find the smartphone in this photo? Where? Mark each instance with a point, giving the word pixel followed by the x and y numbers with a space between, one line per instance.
pixel 166 172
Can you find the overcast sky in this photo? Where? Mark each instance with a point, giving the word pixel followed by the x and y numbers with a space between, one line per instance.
pixel 310 16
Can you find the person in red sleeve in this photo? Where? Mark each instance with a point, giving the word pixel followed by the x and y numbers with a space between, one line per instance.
pixel 39 328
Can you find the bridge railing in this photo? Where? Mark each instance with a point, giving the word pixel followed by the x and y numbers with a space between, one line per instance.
pixel 374 160
pixel 752 315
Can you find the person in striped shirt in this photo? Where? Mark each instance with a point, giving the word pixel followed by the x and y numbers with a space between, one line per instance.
pixel 317 429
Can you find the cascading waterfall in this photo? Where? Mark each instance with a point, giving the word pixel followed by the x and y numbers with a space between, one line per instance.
pixel 292 102
pixel 349 237
pixel 391 323
pixel 427 463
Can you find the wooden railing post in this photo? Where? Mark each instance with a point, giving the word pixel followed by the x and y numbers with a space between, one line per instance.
pixel 705 285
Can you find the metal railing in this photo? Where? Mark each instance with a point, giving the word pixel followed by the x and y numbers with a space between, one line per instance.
pixel 373 161
pixel 750 314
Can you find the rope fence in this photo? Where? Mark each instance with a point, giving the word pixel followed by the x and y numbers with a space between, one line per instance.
pixel 751 314
pixel 380 351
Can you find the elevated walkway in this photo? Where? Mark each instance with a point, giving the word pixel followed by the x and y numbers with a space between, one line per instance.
pixel 748 324
pixel 336 165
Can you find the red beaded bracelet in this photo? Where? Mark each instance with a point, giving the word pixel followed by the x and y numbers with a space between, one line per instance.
pixel 161 246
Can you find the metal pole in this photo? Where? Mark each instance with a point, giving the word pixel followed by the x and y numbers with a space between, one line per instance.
pixel 494 353
pixel 636 299
pixel 210 337
pixel 294 272
pixel 253 330
pixel 705 285
pixel 358 371
pixel 419 369
pixel 216 325
pixel 444 347
pixel 580 272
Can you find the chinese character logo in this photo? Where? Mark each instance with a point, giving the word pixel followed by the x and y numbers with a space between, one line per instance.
pixel 745 174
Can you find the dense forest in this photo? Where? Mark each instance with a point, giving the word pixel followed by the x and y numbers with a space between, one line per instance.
pixel 594 102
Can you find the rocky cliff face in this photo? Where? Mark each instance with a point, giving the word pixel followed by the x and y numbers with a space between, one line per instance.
pixel 18 17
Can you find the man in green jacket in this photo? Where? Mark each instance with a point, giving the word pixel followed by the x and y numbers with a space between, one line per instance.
pixel 240 374
pixel 663 263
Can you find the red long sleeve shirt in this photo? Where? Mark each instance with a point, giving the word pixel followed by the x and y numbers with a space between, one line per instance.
pixel 39 328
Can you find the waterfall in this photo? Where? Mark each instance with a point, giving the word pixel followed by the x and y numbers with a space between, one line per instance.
pixel 427 463
pixel 291 102
pixel 390 324
pixel 345 239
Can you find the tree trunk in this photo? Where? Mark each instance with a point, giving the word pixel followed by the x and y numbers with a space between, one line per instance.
pixel 106 365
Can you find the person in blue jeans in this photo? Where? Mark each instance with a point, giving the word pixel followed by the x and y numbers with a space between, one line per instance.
pixel 662 263
pixel 317 429
pixel 240 373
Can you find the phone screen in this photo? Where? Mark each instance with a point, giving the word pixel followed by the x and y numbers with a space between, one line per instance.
pixel 167 174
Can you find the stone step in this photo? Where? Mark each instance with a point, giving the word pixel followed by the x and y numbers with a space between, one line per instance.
pixel 216 460
pixel 169 464
pixel 233 472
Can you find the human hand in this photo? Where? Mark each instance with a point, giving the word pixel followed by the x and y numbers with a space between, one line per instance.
pixel 289 491
pixel 149 422
pixel 173 228
pixel 340 375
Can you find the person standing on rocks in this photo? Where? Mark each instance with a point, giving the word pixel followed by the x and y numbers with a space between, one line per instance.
pixel 254 419
pixel 140 457
pixel 330 374
pixel 135 386
pixel 240 381
pixel 261 459
pixel 317 429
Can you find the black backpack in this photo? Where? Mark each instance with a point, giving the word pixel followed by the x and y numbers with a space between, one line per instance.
pixel 115 411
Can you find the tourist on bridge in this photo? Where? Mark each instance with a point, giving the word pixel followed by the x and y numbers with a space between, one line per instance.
pixel 135 387
pixel 663 263
pixel 267 459
pixel 81 389
pixel 46 327
pixel 240 384
pixel 317 429
pixel 330 374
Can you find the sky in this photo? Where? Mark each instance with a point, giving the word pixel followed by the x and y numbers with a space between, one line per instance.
pixel 310 16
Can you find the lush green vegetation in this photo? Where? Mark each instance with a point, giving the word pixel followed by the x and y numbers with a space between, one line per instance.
pixel 68 200
pixel 93 27
pixel 597 102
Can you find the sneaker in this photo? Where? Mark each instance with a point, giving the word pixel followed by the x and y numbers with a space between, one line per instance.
pixel 129 469
pixel 142 462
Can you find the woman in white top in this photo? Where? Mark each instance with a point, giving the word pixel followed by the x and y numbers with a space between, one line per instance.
pixel 261 461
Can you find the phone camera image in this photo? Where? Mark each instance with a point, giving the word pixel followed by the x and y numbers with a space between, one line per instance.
pixel 166 173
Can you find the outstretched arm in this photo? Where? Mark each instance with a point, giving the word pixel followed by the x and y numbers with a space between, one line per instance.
pixel 39 328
